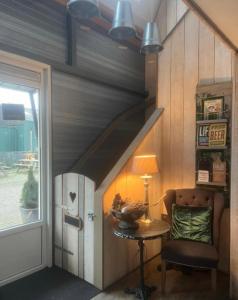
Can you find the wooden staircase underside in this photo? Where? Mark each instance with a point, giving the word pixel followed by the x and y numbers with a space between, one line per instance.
pixel 103 154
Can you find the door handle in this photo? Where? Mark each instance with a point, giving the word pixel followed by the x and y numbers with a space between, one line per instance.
pixel 91 216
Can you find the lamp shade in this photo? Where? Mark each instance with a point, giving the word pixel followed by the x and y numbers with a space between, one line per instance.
pixel 151 42
pixel 83 9
pixel 145 164
pixel 123 25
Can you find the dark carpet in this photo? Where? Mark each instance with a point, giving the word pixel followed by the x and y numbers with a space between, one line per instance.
pixel 49 284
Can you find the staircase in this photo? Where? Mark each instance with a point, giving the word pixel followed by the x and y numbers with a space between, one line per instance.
pixel 103 154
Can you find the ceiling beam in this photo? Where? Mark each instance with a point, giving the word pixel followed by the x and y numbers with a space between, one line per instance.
pixel 202 15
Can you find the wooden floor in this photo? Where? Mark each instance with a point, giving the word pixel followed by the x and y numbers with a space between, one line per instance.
pixel 179 286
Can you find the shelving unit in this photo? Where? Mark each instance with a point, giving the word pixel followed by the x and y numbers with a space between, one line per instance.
pixel 204 150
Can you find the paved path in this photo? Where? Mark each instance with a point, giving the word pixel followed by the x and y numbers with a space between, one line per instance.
pixel 10 194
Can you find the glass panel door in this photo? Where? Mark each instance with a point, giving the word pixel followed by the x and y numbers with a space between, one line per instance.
pixel 19 156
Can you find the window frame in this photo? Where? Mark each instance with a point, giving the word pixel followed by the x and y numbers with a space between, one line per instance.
pixel 45 134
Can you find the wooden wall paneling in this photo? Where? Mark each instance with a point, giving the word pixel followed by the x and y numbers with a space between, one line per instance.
pixel 177 110
pixel 70 233
pixel 171 14
pixel 89 231
pixel 78 121
pixel 112 246
pixel 206 54
pixel 121 184
pixel 70 185
pixel 130 186
pixel 38 27
pixel 234 185
pixel 181 9
pixel 151 74
pixel 161 19
pixel 190 83
pixel 164 100
pixel 101 56
pixel 223 57
pixel 81 197
pixel 109 196
pixel 71 248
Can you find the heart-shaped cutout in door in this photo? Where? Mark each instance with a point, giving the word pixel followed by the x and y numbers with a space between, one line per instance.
pixel 72 196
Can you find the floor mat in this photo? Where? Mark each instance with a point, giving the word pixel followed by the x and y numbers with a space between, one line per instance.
pixel 49 284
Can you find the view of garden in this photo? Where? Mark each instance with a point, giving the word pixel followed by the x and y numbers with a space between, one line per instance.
pixel 19 165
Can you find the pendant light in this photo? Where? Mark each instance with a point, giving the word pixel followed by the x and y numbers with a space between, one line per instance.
pixel 83 9
pixel 123 25
pixel 151 42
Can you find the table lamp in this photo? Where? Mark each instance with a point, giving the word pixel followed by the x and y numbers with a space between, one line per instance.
pixel 145 166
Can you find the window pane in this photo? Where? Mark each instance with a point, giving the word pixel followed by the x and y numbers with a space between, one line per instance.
pixel 19 155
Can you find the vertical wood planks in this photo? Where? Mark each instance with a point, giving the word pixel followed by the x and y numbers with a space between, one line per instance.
pixel 70 249
pixel 70 233
pixel 129 186
pixel 164 100
pixel 74 247
pixel 81 197
pixel 171 14
pixel 206 55
pixel 177 117
pixel 71 189
pixel 181 9
pixel 89 231
pixel 190 83
pixel 222 61
pixel 161 19
pixel 205 60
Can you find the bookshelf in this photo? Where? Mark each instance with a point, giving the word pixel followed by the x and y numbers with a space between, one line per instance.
pixel 213 137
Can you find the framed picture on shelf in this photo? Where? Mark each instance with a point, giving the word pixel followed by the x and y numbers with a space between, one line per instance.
pixel 203 176
pixel 213 108
pixel 203 135
pixel 217 135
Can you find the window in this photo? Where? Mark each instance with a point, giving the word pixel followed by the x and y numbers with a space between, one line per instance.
pixel 19 155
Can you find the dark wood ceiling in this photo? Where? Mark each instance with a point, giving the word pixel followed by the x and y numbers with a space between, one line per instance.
pixel 103 24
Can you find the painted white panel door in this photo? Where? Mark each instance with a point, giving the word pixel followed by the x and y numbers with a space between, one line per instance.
pixel 74 247
pixel 70 193
pixel 89 231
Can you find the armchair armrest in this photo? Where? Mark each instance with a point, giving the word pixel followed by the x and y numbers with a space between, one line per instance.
pixel 165 217
pixel 166 236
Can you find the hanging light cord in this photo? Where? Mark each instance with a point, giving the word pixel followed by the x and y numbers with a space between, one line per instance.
pixel 157 11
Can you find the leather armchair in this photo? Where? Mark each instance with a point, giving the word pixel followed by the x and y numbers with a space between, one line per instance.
pixel 190 253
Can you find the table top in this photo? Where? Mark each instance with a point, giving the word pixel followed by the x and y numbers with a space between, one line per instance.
pixel 146 231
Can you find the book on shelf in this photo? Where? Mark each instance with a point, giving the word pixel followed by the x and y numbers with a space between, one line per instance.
pixel 203 176
pixel 211 167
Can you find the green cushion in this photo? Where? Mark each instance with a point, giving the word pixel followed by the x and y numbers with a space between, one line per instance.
pixel 192 223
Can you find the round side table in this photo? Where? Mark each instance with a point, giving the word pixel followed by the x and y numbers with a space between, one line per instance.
pixel 146 231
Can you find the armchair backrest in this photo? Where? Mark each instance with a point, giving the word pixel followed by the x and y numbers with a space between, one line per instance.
pixel 198 198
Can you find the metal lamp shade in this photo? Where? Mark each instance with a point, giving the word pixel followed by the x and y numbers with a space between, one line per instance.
pixel 151 40
pixel 83 9
pixel 123 26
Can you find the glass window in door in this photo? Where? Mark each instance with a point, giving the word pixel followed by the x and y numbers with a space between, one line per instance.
pixel 19 155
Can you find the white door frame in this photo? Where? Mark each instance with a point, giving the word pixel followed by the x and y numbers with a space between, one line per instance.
pixel 46 156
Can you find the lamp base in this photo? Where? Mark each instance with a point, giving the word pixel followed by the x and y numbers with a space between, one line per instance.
pixel 146 221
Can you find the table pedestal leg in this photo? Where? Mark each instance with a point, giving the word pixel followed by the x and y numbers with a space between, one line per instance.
pixel 143 292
